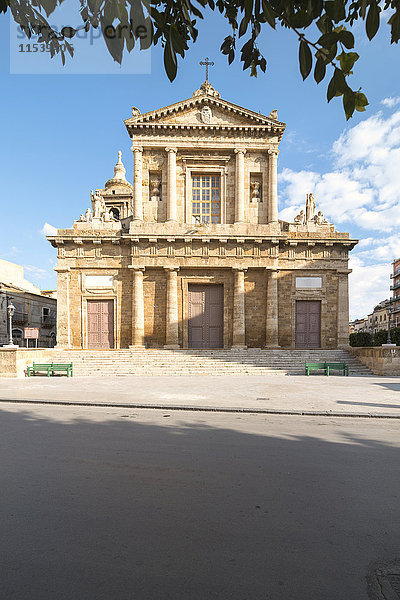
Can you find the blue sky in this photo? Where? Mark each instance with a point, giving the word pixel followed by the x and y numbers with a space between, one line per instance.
pixel 60 134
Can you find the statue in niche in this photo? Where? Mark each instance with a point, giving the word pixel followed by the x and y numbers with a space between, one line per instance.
pixel 310 207
pixel 319 219
pixel 300 219
pixel 255 187
pixel 155 189
pixel 206 114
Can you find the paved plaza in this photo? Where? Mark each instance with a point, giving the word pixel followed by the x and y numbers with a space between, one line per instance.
pixel 372 395
pixel 115 503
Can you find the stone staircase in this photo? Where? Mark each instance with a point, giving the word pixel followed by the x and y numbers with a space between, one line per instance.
pixel 156 361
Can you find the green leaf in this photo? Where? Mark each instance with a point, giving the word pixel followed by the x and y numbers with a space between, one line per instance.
pixel 305 59
pixel 331 92
pixel 320 70
pixel 328 39
pixel 394 23
pixel 170 63
pixel 349 103
pixel 335 9
pixel 243 26
pixel 346 38
pixel 372 22
pixel 347 60
pixel 268 13
pixel 340 81
pixel 361 101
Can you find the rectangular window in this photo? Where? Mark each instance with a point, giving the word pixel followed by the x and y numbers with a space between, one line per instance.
pixel 206 199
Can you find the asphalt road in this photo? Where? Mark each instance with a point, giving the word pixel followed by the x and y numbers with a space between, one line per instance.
pixel 117 504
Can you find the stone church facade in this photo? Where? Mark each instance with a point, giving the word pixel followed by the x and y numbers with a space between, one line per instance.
pixel 192 253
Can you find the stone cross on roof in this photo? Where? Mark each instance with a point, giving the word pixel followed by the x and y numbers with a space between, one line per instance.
pixel 206 64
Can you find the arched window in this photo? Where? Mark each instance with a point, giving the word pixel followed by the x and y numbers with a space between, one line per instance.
pixel 115 213
pixel 17 336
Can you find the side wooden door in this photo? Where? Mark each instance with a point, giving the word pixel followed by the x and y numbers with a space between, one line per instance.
pixel 100 324
pixel 308 324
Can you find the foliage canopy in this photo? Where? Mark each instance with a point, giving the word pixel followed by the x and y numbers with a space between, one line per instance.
pixel 322 27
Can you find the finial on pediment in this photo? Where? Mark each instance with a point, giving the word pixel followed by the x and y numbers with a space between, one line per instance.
pixel 119 169
pixel 273 114
pixel 206 89
pixel 135 111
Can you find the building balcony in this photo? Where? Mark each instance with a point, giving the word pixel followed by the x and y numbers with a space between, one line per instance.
pixel 395 286
pixel 20 318
pixel 48 321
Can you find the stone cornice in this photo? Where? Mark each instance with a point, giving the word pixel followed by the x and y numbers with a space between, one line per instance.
pixel 182 105
pixel 220 238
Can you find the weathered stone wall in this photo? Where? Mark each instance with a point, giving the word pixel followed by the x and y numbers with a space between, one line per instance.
pixel 380 360
pixel 14 362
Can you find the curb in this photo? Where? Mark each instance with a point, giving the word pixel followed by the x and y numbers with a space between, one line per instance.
pixel 215 409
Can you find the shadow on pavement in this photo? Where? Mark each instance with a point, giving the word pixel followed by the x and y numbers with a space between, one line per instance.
pixel 119 505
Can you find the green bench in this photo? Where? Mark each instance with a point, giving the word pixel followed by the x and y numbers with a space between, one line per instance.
pixel 50 369
pixel 327 367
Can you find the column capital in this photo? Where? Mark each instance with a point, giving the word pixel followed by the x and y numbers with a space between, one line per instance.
pixel 273 152
pixel 170 269
pixel 240 151
pixel 137 148
pixel 136 269
pixel 174 150
pixel 240 269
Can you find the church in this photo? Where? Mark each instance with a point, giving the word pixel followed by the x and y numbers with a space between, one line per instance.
pixel 191 253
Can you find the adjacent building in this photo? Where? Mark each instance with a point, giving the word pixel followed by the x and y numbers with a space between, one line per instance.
pixel 395 287
pixel 191 253
pixel 33 308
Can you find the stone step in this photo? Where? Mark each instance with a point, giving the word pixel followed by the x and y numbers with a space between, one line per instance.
pixel 161 362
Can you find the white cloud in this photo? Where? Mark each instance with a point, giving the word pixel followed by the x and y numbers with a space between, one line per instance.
pixel 368 285
pixel 38 272
pixel 363 188
pixel 48 229
pixel 361 191
pixel 391 102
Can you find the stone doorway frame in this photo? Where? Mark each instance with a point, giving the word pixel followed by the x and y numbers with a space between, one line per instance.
pixel 85 335
pixel 204 280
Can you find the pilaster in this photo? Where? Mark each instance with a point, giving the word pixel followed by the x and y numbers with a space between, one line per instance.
pixel 239 323
pixel 272 318
pixel 239 186
pixel 137 308
pixel 172 316
pixel 171 185
pixel 273 186
pixel 137 184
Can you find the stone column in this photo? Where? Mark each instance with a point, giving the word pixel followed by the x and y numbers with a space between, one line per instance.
pixel 239 323
pixel 271 321
pixel 137 184
pixel 343 310
pixel 171 323
pixel 63 312
pixel 171 185
pixel 137 308
pixel 273 186
pixel 239 186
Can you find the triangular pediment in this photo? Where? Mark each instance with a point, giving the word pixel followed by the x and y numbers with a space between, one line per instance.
pixel 204 109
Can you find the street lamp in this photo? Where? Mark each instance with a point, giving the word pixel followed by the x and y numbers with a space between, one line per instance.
pixel 10 311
